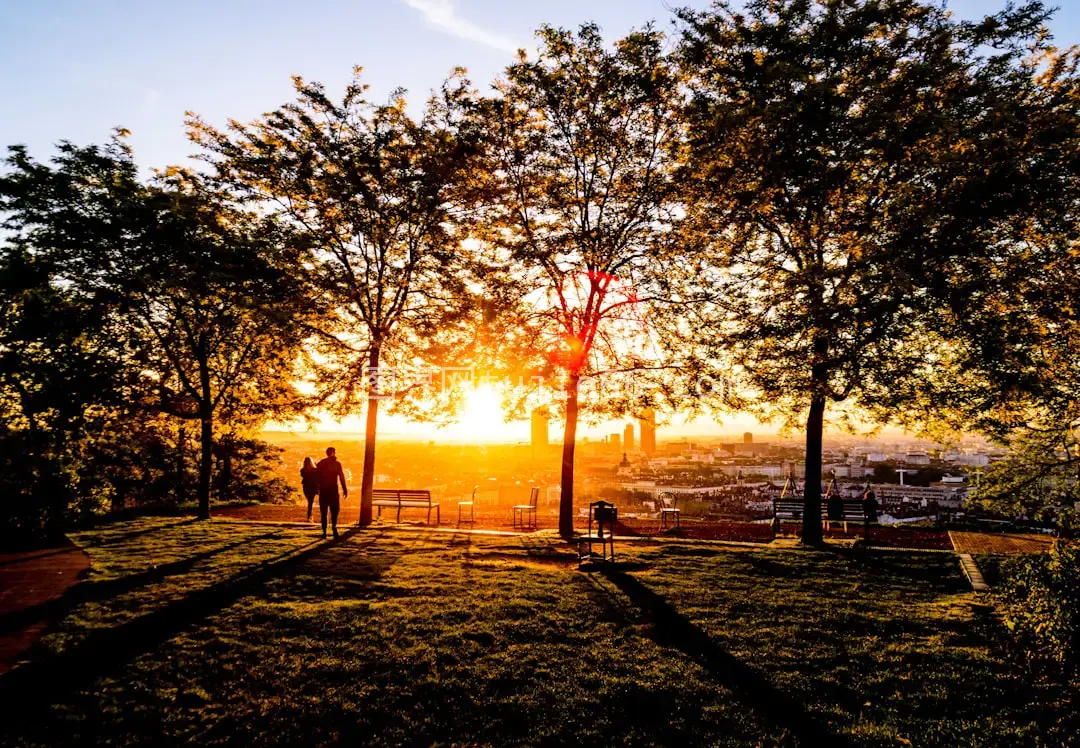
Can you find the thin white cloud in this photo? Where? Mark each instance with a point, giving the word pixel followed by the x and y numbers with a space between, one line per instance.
pixel 443 15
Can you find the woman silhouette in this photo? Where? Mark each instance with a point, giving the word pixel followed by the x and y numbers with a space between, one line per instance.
pixel 309 478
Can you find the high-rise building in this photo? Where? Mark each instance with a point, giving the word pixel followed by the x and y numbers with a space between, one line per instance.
pixel 615 440
pixel 647 425
pixel 747 438
pixel 628 437
pixel 540 419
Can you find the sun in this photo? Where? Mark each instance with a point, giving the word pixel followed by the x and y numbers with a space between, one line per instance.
pixel 483 409
pixel 482 419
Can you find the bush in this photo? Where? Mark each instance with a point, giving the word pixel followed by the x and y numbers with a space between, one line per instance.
pixel 1042 595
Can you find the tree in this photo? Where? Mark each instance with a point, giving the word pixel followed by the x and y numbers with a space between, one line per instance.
pixel 380 198
pixel 849 154
pixel 584 213
pixel 1012 317
pixel 204 296
pixel 59 377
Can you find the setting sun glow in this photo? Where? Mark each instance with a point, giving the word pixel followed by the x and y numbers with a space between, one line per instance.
pixel 482 419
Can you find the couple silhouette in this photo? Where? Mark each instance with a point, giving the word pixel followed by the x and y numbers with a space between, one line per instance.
pixel 322 480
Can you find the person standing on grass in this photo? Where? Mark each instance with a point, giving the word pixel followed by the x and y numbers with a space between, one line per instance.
pixel 330 473
pixel 309 482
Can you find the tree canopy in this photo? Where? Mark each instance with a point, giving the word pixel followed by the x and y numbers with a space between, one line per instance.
pixel 585 209
pixel 380 199
pixel 849 156
pixel 194 303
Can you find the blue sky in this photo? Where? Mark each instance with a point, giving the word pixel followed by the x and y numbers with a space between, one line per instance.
pixel 74 69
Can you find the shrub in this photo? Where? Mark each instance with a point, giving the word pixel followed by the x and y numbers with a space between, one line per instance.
pixel 1042 595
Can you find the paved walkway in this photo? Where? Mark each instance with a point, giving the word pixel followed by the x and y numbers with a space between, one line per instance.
pixel 29 580
pixel 987 542
pixel 973 574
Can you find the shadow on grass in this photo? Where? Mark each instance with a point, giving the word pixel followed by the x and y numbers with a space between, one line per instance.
pixel 899 565
pixel 123 537
pixel 670 628
pixel 49 677
pixel 87 591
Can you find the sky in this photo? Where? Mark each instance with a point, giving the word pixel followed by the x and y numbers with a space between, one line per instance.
pixel 76 69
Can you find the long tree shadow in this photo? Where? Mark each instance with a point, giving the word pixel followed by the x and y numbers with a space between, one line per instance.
pixel 49 677
pixel 669 628
pixel 106 538
pixel 889 563
pixel 94 591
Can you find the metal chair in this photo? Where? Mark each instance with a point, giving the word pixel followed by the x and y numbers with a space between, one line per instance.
pixel 604 515
pixel 471 504
pixel 668 509
pixel 521 511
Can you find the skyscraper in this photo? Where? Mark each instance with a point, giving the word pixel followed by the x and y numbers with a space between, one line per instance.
pixel 540 419
pixel 647 424
pixel 628 437
pixel 748 438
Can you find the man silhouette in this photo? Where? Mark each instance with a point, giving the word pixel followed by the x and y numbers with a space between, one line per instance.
pixel 330 474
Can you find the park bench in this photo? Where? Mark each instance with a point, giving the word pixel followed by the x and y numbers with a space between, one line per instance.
pixel 668 510
pixel 521 511
pixel 788 510
pixel 405 499
pixel 845 511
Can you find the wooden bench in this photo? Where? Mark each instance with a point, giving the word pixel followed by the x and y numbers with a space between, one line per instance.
pixel 845 511
pixel 405 499
pixel 787 509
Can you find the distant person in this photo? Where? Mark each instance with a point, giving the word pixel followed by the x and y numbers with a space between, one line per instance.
pixel 309 483
pixel 870 505
pixel 330 474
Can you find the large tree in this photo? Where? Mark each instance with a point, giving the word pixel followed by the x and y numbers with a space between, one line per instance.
pixel 849 154
pixel 61 375
pixel 204 299
pixel 585 212
pixel 379 197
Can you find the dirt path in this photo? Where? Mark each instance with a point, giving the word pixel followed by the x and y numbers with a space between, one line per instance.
pixel 28 581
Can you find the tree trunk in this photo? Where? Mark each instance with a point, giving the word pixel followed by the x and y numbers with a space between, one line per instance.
pixel 566 495
pixel 206 462
pixel 206 419
pixel 815 426
pixel 181 467
pixel 226 475
pixel 369 437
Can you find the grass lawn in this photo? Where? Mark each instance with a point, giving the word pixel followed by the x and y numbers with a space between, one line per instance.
pixel 251 635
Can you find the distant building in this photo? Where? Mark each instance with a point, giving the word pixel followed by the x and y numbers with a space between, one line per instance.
pixel 540 419
pixel 615 440
pixel 647 425
pixel 946 496
pixel 748 438
pixel 628 437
